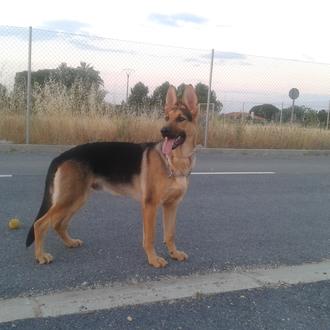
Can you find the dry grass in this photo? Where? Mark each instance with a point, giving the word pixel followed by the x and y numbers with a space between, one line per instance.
pixel 65 116
pixel 71 116
pixel 271 136
pixel 74 129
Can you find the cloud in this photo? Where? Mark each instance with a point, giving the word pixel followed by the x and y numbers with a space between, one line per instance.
pixel 220 58
pixel 51 30
pixel 76 35
pixel 237 58
pixel 177 19
pixel 65 26
pixel 86 43
pixel 228 56
pixel 23 33
pixel 48 31
pixel 83 42
pixel 14 32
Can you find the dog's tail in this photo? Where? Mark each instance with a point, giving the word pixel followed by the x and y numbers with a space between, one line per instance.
pixel 46 202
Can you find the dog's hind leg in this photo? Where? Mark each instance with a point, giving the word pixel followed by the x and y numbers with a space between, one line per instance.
pixel 41 226
pixel 61 226
pixel 57 217
pixel 169 224
pixel 71 186
pixel 71 190
pixel 40 229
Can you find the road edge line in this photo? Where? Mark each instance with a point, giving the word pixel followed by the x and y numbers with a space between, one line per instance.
pixel 128 294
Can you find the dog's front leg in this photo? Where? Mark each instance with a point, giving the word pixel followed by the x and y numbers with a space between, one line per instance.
pixel 169 223
pixel 149 232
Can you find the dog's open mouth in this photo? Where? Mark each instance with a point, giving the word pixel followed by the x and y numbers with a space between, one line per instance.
pixel 170 144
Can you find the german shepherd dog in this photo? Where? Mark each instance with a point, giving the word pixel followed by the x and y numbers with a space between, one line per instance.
pixel 155 174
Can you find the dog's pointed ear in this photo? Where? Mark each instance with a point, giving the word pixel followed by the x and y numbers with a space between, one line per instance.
pixel 171 99
pixel 190 99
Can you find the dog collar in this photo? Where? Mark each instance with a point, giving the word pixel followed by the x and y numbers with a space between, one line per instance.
pixel 169 166
pixel 176 175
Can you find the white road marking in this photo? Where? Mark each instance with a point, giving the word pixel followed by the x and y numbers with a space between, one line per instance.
pixel 6 175
pixel 124 294
pixel 231 173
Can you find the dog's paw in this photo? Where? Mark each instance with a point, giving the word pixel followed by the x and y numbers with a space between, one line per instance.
pixel 178 255
pixel 44 258
pixel 72 243
pixel 157 262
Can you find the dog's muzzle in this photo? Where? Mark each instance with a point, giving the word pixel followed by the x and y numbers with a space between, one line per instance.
pixel 171 140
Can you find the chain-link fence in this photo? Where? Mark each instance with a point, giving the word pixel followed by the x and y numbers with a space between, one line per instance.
pixel 82 73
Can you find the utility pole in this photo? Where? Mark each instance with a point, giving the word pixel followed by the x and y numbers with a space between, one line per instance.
pixel 208 100
pixel 128 73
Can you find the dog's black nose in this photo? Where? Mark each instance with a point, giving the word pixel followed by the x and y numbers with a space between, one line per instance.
pixel 165 131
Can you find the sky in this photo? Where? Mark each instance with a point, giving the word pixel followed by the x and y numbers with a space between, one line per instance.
pixel 295 30
pixel 276 28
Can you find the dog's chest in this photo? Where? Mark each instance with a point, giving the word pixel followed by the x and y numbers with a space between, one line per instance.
pixel 176 189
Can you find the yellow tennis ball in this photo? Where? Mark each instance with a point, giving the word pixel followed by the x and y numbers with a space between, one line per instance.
pixel 14 223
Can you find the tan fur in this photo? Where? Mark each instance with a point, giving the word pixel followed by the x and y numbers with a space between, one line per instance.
pixel 153 187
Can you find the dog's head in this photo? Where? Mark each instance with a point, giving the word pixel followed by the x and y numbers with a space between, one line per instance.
pixel 181 119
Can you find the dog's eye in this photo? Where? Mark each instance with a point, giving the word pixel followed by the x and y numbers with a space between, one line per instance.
pixel 167 118
pixel 180 119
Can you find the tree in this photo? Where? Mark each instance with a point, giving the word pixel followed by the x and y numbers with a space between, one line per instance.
pixel 4 98
pixel 3 91
pixel 322 117
pixel 86 82
pixel 159 95
pixel 83 84
pixel 310 117
pixel 180 90
pixel 84 74
pixel 202 94
pixel 65 75
pixel 88 76
pixel 298 114
pixel 267 111
pixel 139 96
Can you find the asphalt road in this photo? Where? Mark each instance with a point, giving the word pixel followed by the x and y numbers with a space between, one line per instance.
pixel 299 307
pixel 225 222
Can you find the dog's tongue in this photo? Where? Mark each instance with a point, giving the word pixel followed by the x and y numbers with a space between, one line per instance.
pixel 167 146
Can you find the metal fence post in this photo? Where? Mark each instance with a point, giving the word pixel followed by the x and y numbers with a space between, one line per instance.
pixel 328 116
pixel 242 112
pixel 208 101
pixel 28 91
